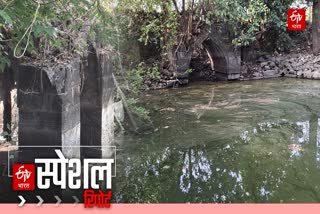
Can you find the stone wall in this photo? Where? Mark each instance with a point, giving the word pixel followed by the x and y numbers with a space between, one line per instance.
pixel 68 104
pixel 297 65
pixel 49 105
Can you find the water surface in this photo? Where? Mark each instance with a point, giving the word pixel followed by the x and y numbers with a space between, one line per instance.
pixel 255 141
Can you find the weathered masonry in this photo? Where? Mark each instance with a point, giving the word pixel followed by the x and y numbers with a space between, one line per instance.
pixel 49 106
pixel 227 60
pixel 96 100
pixel 66 104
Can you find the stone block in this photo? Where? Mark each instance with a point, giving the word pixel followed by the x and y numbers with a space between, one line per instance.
pixel 29 79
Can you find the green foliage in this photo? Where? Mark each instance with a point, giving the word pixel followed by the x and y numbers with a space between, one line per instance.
pixel 138 110
pixel 152 72
pixel 244 17
pixel 5 17
pixel 151 22
pixel 136 80
pixel 189 71
pixel 140 74
pixel 43 30
pixel 275 35
pixel 284 42
pixel 158 17
pixel 48 29
pixel 156 21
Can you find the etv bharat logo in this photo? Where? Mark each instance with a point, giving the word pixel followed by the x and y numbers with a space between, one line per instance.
pixel 296 19
pixel 23 177
pixel 67 173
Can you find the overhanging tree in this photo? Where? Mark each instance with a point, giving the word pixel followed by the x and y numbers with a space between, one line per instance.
pixel 182 25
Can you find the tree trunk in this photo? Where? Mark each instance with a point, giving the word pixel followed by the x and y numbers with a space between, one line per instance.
pixel 316 27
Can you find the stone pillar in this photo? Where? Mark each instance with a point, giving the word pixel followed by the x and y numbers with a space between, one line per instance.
pixel 49 107
pixel 96 99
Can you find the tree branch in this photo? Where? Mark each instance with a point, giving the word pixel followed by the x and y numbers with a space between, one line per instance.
pixel 183 6
pixel 176 6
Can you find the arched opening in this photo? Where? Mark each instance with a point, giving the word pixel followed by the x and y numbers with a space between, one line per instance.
pixel 209 62
pixel 202 65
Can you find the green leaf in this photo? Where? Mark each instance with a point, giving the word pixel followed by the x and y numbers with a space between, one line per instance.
pixel 40 30
pixel 6 17
pixel 4 134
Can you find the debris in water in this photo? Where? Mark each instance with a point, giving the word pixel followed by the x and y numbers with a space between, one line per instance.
pixel 227 147
pixel 295 147
pixel 168 109
pixel 166 167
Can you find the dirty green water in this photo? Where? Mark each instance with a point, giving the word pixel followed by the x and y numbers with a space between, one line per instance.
pixel 255 141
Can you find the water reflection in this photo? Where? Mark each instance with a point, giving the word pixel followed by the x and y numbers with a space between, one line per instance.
pixel 228 174
pixel 196 166
pixel 318 141
pixel 305 128
pixel 266 148
pixel 297 139
pixel 219 174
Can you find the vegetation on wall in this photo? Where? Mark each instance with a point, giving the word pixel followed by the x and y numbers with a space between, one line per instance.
pixel 183 25
pixel 45 28
pixel 42 29
pixel 54 30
